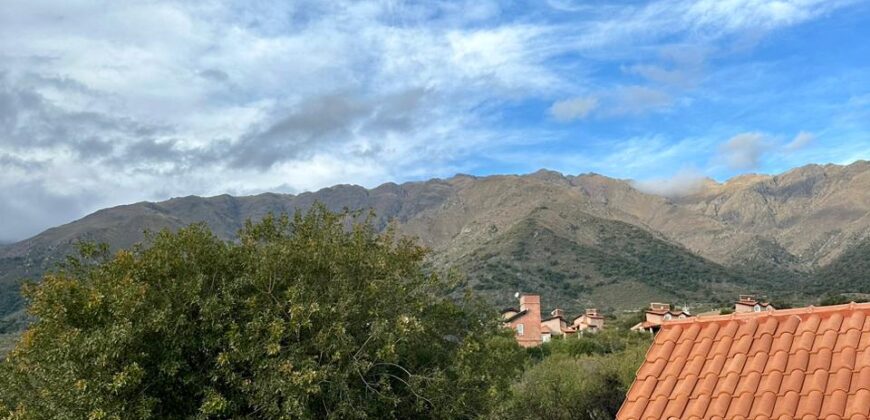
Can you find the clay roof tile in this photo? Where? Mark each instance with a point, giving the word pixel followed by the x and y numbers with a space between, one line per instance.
pixel 792 382
pixel 777 362
pixel 727 330
pixel 768 326
pixel 860 380
pixel 655 408
pixel 747 327
pixel 761 344
pixel 810 324
pixel 664 387
pixel 798 361
pixel 633 410
pixel 708 331
pixel 788 325
pixel 690 334
pixel 834 405
pixel 683 349
pixel 757 362
pixel 826 341
pixel 763 405
pixel 845 358
pixel 741 405
pixel 676 406
pixel 644 389
pixel 857 404
pixel 786 405
pixel 713 365
pixel 849 340
pixel 693 366
pixel 803 363
pixel 748 383
pixel 854 321
pixel 770 382
pixel 831 323
pixel 810 405
pixel 782 342
pixel 816 381
pixel 820 360
pixel 706 385
pixel 670 334
pixel 741 346
pixel 804 341
pixel 840 380
pixel 719 406
pixel 697 407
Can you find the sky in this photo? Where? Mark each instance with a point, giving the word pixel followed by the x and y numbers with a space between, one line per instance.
pixel 104 103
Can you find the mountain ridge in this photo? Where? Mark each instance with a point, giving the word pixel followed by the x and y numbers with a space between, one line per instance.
pixel 755 227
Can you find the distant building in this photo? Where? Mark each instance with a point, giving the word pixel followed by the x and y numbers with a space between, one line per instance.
pixel 526 321
pixel 555 326
pixel 657 314
pixel 590 321
pixel 531 330
pixel 747 303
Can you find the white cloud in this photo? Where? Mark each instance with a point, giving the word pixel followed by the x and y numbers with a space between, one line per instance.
pixel 743 151
pixel 685 182
pixel 638 99
pixel 801 140
pixel 103 103
pixel 574 108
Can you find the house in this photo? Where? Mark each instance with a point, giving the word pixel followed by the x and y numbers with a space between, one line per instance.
pixel 531 330
pixel 590 321
pixel 526 320
pixel 556 325
pixel 657 314
pixel 803 363
pixel 747 303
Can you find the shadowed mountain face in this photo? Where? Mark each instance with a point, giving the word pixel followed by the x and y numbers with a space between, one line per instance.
pixel 585 240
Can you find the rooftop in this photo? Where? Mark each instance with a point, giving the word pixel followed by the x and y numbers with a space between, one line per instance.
pixel 794 363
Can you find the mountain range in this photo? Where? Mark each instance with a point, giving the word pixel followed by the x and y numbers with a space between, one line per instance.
pixel 580 241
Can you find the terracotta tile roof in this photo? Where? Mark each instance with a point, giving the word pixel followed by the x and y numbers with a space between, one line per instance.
pixel 804 363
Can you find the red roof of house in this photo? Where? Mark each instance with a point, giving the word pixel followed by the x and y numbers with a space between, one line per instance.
pixel 804 363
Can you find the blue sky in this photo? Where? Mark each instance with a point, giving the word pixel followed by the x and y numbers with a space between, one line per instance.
pixel 106 103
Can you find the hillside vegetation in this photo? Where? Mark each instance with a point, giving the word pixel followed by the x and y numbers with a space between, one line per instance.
pixel 585 240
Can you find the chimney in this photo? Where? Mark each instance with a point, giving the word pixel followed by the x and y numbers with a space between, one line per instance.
pixel 531 303
pixel 531 321
pixel 558 312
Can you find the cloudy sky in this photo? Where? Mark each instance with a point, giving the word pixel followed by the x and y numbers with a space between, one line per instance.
pixel 110 102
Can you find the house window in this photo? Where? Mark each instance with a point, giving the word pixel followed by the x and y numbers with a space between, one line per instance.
pixel 520 329
pixel 667 317
pixel 757 308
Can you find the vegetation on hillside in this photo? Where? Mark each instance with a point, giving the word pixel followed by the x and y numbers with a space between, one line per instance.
pixel 849 273
pixel 534 257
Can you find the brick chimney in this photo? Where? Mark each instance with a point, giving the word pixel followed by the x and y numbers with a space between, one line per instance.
pixel 531 321
pixel 557 312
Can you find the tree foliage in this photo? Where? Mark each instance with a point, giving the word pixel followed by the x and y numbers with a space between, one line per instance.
pixel 578 378
pixel 303 317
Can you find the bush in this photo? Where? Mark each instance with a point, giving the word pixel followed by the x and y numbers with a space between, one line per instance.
pixel 302 318
pixel 567 387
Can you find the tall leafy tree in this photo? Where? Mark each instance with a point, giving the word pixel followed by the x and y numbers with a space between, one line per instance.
pixel 310 316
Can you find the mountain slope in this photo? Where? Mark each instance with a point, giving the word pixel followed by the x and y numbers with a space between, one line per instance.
pixel 582 240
